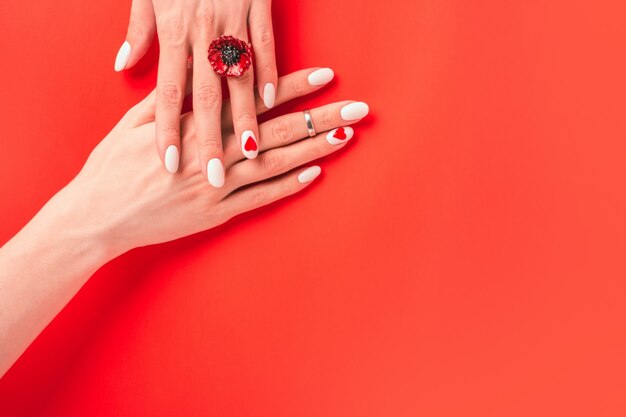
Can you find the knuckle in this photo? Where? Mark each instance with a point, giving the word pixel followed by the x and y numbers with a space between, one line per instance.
pixel 273 163
pixel 282 131
pixel 327 116
pixel 170 93
pixel 259 197
pixel 246 117
pixel 208 97
pixel 298 86
pixel 266 38
pixel 169 133
pixel 134 28
pixel 205 18
pixel 171 29
pixel 210 146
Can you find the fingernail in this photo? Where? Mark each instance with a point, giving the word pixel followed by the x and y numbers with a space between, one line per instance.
pixel 340 135
pixel 121 60
pixel 249 145
pixel 354 111
pixel 171 159
pixel 321 76
pixel 215 172
pixel 309 174
pixel 269 95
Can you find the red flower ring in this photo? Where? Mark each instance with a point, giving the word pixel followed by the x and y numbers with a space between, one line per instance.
pixel 229 56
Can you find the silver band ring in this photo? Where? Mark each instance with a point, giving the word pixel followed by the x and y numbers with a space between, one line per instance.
pixel 309 123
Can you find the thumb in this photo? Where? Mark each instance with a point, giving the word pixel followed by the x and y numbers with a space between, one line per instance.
pixel 139 36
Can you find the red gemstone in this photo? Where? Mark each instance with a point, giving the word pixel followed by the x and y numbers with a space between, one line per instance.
pixel 250 144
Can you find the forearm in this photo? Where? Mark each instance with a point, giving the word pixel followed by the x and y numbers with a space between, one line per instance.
pixel 41 269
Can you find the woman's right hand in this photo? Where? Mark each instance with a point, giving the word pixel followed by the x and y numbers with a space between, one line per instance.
pixel 188 28
pixel 124 197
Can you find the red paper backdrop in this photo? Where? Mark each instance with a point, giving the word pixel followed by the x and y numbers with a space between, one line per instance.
pixel 463 256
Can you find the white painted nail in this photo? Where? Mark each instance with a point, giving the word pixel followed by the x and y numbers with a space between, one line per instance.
pixel 340 135
pixel 121 60
pixel 269 95
pixel 309 174
pixel 354 111
pixel 171 158
pixel 249 144
pixel 321 76
pixel 215 172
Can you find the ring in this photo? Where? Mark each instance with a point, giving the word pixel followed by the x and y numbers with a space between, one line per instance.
pixel 309 123
pixel 229 56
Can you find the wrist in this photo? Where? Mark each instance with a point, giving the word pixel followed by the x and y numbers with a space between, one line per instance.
pixel 68 221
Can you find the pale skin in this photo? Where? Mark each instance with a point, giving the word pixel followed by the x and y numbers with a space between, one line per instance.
pixel 123 199
pixel 185 28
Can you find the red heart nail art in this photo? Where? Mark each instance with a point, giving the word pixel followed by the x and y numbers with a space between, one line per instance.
pixel 250 144
pixel 340 134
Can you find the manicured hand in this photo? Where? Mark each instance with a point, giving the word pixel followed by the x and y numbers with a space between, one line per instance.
pixel 123 192
pixel 186 28
pixel 122 199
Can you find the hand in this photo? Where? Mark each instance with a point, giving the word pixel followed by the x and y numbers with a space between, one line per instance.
pixel 188 27
pixel 122 199
pixel 123 192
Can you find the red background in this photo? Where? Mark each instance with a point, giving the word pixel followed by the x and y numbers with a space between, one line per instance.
pixel 463 256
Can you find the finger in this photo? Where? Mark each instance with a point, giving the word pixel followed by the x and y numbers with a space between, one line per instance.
pixel 280 160
pixel 290 128
pixel 262 34
pixel 143 112
pixel 291 86
pixel 139 36
pixel 207 103
pixel 244 112
pixel 265 193
pixel 170 89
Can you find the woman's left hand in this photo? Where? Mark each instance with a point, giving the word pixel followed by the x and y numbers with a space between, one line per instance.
pixel 153 206
pixel 122 199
